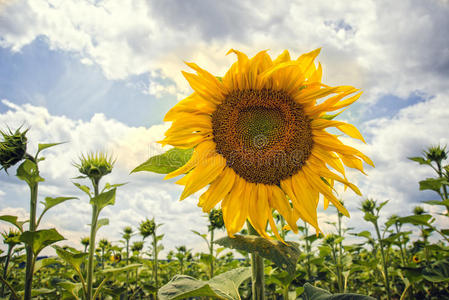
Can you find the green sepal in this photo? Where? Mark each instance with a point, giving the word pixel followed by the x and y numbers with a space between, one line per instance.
pixel 167 162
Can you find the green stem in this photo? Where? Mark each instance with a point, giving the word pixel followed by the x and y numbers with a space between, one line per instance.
pixel 285 291
pixel 155 262
pixel 127 262
pixel 440 174
pixel 5 269
pixel 307 252
pixel 257 267
pixel 334 257
pixel 29 251
pixel 211 253
pixel 384 263
pixel 93 231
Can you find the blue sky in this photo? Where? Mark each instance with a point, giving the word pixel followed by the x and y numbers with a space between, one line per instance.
pixel 101 75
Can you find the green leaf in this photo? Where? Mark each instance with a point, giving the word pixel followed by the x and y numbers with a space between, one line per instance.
pixel 365 234
pixel 40 239
pixel 42 263
pixel 223 286
pixel 104 199
pixel 437 272
pixel 437 202
pixel 13 220
pixel 285 256
pixel 314 293
pixel 202 235
pixel 84 188
pixel 445 231
pixel 71 287
pixel 433 184
pixel 416 220
pixel 102 222
pixel 420 160
pixel 41 147
pixel 167 162
pixel 73 259
pixel 109 186
pixel 28 172
pixel 50 202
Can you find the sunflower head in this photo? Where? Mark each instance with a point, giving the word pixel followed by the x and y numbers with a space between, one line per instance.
pixel 12 147
pixel 436 153
pixel 216 219
pixel 260 140
pixel 85 241
pixel 418 210
pixel 416 259
pixel 11 237
pixel 115 258
pixel 137 246
pixel 95 165
pixel 147 228
pixel 127 232
pixel 104 243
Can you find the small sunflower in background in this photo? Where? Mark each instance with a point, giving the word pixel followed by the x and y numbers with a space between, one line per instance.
pixel 416 259
pixel 260 140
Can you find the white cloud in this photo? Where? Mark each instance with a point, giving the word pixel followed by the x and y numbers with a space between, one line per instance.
pixel 145 195
pixel 134 37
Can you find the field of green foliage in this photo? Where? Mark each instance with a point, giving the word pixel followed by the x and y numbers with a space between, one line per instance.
pixel 406 257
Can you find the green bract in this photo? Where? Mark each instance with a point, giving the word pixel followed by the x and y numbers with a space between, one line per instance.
pixel 95 165
pixel 12 148
pixel 147 227
pixel 216 219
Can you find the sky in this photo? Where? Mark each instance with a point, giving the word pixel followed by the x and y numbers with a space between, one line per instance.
pixel 100 75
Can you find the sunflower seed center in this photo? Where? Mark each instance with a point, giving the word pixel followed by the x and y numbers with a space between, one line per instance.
pixel 264 135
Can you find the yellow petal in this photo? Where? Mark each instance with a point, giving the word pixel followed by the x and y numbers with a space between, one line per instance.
pixel 279 201
pixel 349 129
pixel 218 190
pixel 235 207
pixel 259 209
pixel 205 172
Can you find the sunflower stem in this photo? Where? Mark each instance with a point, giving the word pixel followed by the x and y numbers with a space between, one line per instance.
pixel 93 231
pixel 257 267
pixel 29 251
pixel 384 262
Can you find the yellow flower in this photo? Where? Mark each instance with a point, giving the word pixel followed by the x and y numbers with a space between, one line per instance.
pixel 260 141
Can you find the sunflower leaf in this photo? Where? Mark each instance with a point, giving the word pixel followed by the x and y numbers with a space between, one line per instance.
pixel 285 256
pixel 223 286
pixel 167 162
pixel 40 239
pixel 314 293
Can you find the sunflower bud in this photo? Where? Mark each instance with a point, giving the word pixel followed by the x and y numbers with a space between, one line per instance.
pixel 147 228
pixel 95 165
pixel 216 219
pixel 85 241
pixel 137 246
pixel 418 210
pixel 11 238
pixel 436 153
pixel 368 206
pixel 12 148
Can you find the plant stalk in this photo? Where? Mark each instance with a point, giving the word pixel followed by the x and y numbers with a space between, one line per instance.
pixel 156 285
pixel 5 269
pixel 29 251
pixel 384 263
pixel 257 268
pixel 211 253
pixel 93 231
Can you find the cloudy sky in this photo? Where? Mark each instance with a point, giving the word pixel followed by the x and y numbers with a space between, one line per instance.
pixel 100 75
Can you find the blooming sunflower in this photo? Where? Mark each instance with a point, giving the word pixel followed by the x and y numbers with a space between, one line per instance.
pixel 260 141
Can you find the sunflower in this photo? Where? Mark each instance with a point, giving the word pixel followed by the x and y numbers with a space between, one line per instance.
pixel 260 140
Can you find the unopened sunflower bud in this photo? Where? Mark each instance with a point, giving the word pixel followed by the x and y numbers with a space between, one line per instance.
pixel 12 148
pixel 11 238
pixel 95 165
pixel 147 228
pixel 216 219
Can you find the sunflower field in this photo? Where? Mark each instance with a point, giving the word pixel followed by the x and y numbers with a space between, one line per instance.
pixel 261 147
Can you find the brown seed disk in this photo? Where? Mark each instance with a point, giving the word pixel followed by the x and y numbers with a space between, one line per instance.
pixel 264 135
